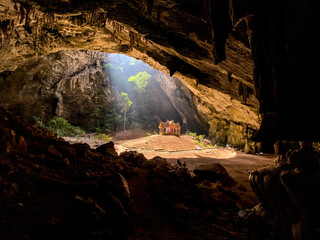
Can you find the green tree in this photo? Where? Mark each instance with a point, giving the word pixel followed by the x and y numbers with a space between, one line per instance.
pixel 141 81
pixel 126 103
pixel 111 120
pixel 97 115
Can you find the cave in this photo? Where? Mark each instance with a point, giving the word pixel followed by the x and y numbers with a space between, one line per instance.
pixel 241 72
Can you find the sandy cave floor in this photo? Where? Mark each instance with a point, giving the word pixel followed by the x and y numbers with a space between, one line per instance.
pixel 172 148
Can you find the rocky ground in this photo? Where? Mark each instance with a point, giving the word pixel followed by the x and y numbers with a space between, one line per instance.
pixel 172 148
pixel 51 189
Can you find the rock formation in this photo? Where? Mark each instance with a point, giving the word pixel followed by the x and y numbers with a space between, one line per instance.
pixel 205 43
pixel 51 189
pixel 183 100
pixel 290 191
pixel 70 84
pixel 154 36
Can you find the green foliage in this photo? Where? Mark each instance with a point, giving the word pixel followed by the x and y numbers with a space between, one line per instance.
pixel 38 121
pixel 141 81
pixel 103 137
pixel 96 114
pixel 201 137
pixel 110 121
pixel 147 138
pixel 106 120
pixel 63 128
pixel 133 62
pixel 191 134
pixel 155 133
pixel 60 126
pixel 101 92
pixel 199 140
pixel 126 103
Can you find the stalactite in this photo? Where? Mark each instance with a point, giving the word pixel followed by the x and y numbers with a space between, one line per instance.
pixel 147 6
pixel 134 39
pixel 150 4
pixel 131 36
pixel 22 14
pixel 217 12
pixel 2 38
pixel 116 27
pixel 15 6
pixel 244 91
pixel 230 77
pixel 172 72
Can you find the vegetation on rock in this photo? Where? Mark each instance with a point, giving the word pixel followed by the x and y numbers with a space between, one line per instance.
pixel 60 126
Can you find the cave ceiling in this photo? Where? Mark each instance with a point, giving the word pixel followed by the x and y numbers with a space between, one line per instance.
pixel 202 42
pixel 175 39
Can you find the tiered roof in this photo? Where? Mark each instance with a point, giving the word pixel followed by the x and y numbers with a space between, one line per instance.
pixel 169 124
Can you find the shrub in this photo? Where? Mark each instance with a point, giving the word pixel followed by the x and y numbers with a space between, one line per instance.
pixel 103 137
pixel 63 128
pixel 38 122
pixel 191 134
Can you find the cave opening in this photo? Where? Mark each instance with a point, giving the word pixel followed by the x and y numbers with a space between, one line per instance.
pixel 146 89
pixel 236 58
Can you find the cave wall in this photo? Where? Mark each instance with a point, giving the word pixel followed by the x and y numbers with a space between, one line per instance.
pixel 206 48
pixel 201 42
pixel 285 47
pixel 183 100
pixel 214 65
pixel 70 84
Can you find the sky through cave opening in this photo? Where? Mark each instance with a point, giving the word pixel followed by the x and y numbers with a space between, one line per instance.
pixel 145 96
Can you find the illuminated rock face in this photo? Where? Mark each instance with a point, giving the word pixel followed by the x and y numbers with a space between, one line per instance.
pixel 69 84
pixel 223 90
pixel 202 42
pixel 190 40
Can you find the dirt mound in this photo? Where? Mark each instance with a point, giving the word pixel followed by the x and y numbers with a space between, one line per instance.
pixel 160 142
pixel 129 134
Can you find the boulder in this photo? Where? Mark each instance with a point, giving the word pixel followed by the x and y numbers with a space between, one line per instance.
pixel 133 158
pixel 214 172
pixel 71 190
pixel 107 148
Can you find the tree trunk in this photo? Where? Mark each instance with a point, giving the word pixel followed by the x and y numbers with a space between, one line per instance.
pixel 124 118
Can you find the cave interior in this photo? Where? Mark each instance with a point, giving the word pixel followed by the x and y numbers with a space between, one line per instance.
pixel 236 68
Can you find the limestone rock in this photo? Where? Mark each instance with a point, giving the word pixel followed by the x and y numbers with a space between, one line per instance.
pixel 222 89
pixel 107 148
pixel 79 196
pixel 290 191
pixel 64 84
pixel 214 172
pixel 134 158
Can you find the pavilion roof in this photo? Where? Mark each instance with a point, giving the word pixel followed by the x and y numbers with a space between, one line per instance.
pixel 169 124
